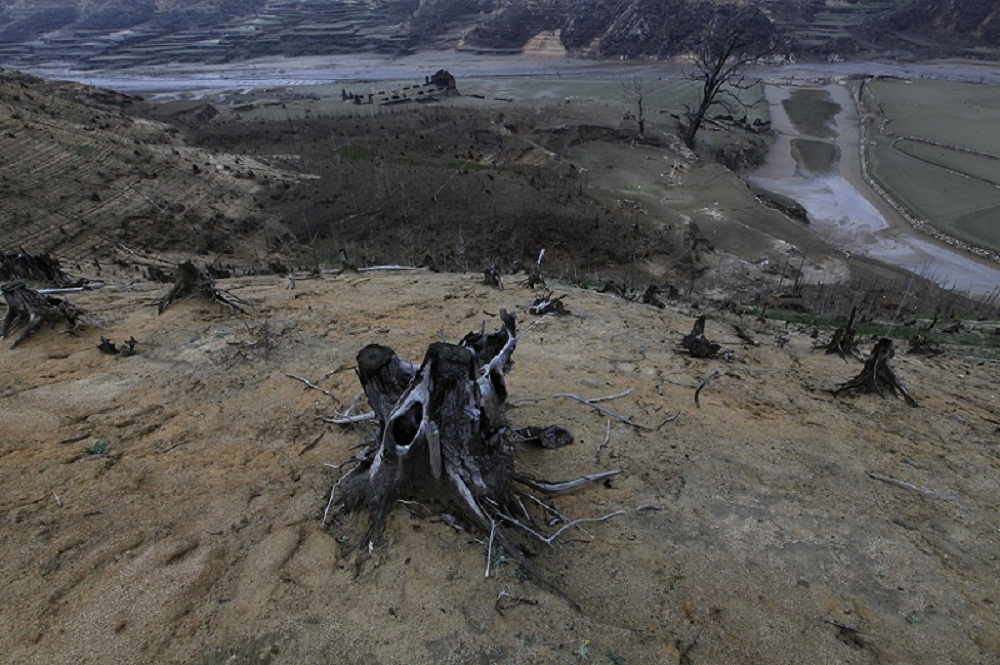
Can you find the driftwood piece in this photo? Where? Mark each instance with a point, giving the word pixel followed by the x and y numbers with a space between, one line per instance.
pixel 843 343
pixel 190 281
pixel 442 433
pixel 877 375
pixel 697 344
pixel 31 309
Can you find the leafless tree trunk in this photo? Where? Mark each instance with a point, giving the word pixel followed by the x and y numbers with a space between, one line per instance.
pixel 735 38
pixel 635 91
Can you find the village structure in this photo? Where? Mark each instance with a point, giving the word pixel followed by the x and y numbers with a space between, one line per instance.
pixel 440 85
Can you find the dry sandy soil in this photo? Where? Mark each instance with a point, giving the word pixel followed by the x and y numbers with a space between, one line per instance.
pixel 198 538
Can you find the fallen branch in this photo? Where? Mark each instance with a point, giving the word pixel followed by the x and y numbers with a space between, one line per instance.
pixel 704 384
pixel 548 540
pixel 311 385
pixel 745 336
pixel 514 600
pixel 550 487
pixel 604 444
pixel 910 486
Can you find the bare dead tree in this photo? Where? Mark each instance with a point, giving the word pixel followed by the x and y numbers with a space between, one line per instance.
pixel 734 39
pixel 634 92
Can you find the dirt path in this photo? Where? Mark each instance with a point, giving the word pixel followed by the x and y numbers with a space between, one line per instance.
pixel 197 539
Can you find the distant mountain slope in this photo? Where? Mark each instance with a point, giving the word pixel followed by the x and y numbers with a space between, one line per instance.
pixel 126 32
pixel 977 19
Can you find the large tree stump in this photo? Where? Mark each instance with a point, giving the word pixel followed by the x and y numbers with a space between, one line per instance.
pixel 32 309
pixel 877 376
pixel 191 281
pixel 697 344
pixel 443 434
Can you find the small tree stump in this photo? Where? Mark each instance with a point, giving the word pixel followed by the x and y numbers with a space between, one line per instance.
pixel 39 267
pixel 843 343
pixel 32 309
pixel 697 344
pixel 189 281
pixel 877 376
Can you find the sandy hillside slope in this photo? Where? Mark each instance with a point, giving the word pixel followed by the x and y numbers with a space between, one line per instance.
pixel 197 539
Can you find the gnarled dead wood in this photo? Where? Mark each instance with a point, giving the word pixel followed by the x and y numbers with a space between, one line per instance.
pixel 877 376
pixel 442 432
pixel 31 309
pixel 190 281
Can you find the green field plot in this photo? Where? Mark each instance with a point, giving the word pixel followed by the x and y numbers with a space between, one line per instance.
pixel 975 166
pixel 966 115
pixel 963 207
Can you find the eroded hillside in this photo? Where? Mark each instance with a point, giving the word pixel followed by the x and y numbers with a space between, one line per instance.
pixel 82 176
pixel 191 531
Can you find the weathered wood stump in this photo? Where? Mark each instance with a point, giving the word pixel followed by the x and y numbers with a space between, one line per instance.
pixel 32 309
pixel 39 267
pixel 697 344
pixel 443 435
pixel 191 281
pixel 877 376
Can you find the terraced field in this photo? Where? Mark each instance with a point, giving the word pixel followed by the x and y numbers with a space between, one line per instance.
pixel 935 147
pixel 82 181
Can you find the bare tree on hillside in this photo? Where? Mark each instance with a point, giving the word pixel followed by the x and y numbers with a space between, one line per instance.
pixel 735 38
pixel 635 91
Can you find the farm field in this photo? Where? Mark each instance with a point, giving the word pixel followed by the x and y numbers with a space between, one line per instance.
pixel 936 148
